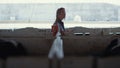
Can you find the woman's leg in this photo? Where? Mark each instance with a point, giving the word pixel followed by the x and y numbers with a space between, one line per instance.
pixel 50 63
pixel 59 63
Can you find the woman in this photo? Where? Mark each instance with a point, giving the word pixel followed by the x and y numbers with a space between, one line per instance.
pixel 58 29
pixel 58 26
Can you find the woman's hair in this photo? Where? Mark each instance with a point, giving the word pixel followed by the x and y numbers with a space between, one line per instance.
pixel 58 12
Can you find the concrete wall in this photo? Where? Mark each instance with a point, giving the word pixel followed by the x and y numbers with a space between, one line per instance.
pixel 39 41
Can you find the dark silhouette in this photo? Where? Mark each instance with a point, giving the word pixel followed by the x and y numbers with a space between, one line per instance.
pixel 8 48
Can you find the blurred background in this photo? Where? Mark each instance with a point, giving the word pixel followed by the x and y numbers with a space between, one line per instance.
pixel 85 13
